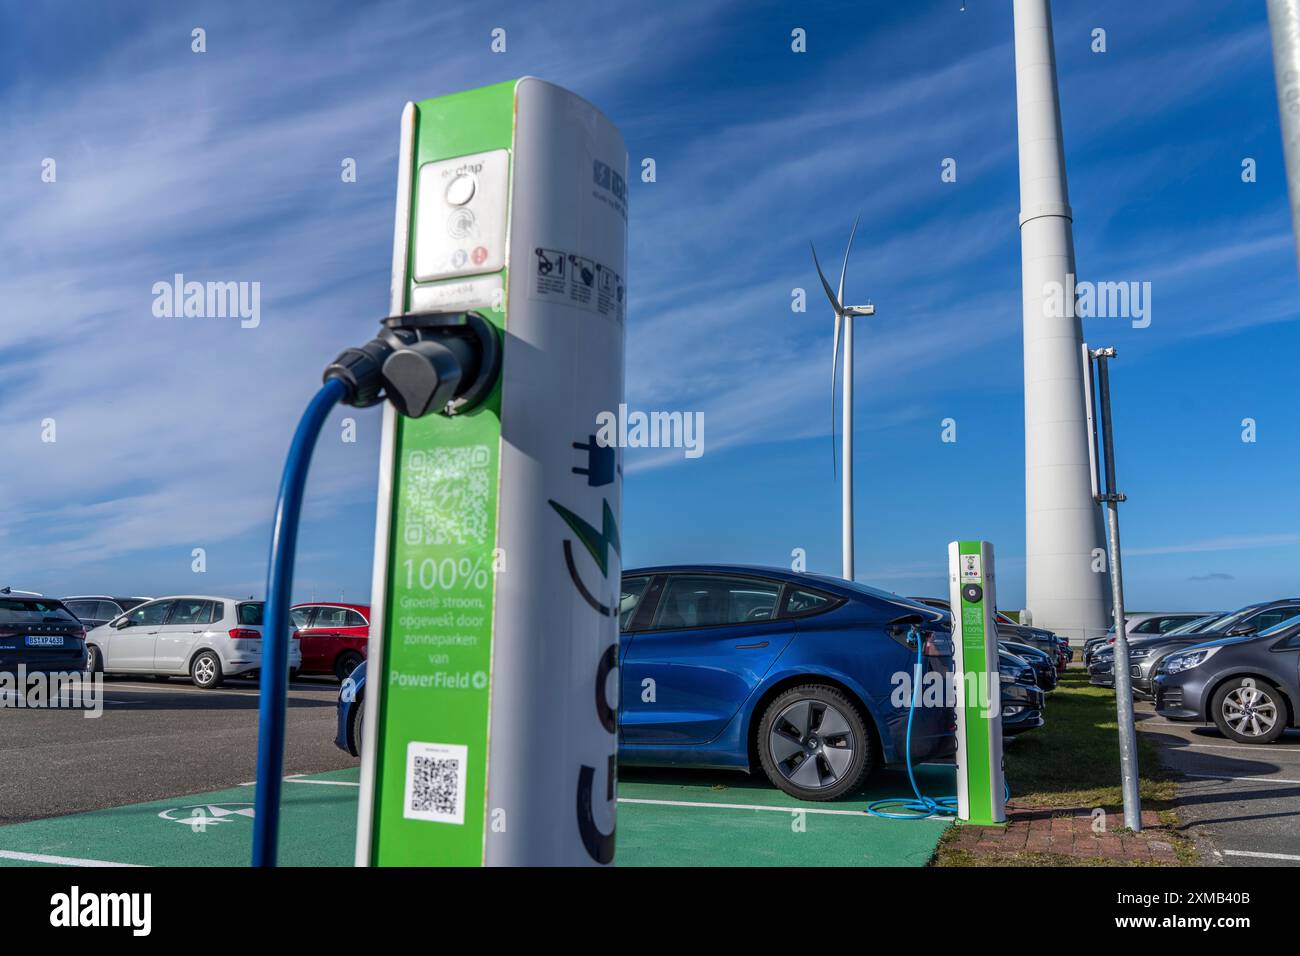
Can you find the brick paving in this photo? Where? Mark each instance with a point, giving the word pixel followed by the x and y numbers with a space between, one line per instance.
pixel 1070 832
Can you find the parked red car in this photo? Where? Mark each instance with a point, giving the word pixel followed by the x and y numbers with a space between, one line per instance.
pixel 333 636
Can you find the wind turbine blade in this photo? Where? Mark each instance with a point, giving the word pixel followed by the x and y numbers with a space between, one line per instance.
pixel 835 303
pixel 847 249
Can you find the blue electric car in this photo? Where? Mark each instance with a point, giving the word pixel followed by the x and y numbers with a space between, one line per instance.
pixel 804 676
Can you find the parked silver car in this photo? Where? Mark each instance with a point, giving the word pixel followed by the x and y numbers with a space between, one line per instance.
pixel 207 638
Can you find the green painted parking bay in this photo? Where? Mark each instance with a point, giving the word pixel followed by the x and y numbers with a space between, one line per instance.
pixel 665 818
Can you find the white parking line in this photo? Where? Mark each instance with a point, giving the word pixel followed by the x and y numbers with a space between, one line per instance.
pixel 57 860
pixel 1227 776
pixel 1250 747
pixel 1262 856
pixel 743 806
pixel 299 779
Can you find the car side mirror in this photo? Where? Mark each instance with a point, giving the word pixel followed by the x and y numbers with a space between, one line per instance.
pixel 121 623
pixel 1241 629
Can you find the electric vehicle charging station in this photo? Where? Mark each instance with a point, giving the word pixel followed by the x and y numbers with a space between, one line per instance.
pixel 491 696
pixel 981 785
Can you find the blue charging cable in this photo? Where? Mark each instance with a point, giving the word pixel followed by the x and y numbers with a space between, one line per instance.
pixel 274 692
pixel 923 806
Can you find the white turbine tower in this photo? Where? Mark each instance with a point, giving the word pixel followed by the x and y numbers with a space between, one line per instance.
pixel 845 313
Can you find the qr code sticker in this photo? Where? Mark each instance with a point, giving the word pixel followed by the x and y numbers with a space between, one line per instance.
pixel 447 496
pixel 435 782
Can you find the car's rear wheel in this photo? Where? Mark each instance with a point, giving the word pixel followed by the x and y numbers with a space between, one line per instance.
pixel 205 670
pixel 1250 710
pixel 94 663
pixel 813 743
pixel 346 663
pixel 356 725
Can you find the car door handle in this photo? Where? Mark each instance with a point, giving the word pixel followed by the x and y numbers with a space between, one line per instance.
pixel 747 646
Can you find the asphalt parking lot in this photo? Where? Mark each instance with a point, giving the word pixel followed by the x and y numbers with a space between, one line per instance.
pixel 1240 802
pixel 155 739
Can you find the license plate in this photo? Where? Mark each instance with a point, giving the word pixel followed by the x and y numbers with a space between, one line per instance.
pixel 40 640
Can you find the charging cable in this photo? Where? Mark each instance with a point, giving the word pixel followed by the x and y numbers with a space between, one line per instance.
pixel 421 362
pixel 901 808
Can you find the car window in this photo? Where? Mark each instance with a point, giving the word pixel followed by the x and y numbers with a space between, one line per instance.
pixel 1167 624
pixel 1150 626
pixel 154 613
pixel 218 611
pixel 107 610
pixel 298 616
pixel 629 599
pixel 330 617
pixel 30 611
pixel 353 618
pixel 711 600
pixel 191 611
pixel 250 613
pixel 85 610
pixel 798 601
pixel 1266 619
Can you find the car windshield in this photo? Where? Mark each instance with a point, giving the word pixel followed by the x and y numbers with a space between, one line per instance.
pixel 250 613
pixel 1280 626
pixel 1195 626
pixel 34 611
pixel 1226 622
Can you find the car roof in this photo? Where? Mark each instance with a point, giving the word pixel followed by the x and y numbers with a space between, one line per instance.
pixel 365 608
pixel 205 597
pixel 106 597
pixel 823 581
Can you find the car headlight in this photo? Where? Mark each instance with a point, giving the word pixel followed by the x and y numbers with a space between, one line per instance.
pixel 1177 663
pixel 1139 654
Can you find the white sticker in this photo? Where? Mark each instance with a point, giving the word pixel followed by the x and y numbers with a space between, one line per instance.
pixel 481 293
pixel 435 782
pixel 970 568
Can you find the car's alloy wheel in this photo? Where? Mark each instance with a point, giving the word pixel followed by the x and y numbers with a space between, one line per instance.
pixel 1250 711
pixel 92 659
pixel 206 670
pixel 813 743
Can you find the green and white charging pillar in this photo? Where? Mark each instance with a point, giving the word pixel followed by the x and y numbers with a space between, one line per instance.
pixel 491 687
pixel 981 793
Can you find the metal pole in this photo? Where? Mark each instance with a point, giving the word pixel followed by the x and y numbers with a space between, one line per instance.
pixel 847 490
pixel 1128 760
pixel 1284 24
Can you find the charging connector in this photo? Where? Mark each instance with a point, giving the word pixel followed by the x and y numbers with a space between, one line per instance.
pixel 423 362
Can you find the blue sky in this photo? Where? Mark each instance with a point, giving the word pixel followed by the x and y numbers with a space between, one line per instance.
pixel 225 166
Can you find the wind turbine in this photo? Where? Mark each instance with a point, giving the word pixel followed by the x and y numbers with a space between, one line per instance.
pixel 845 313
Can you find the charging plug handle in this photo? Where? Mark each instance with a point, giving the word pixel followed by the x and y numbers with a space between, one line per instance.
pixel 423 362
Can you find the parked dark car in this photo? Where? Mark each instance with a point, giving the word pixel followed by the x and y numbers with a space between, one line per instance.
pixel 93 610
pixel 1148 624
pixel 1044 666
pixel 1022 698
pixel 41 635
pixel 1146 653
pixel 1249 686
pixel 1008 630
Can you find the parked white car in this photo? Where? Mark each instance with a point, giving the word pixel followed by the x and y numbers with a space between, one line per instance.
pixel 207 638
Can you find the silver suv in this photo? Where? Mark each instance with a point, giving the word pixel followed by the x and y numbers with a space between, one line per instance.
pixel 207 638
